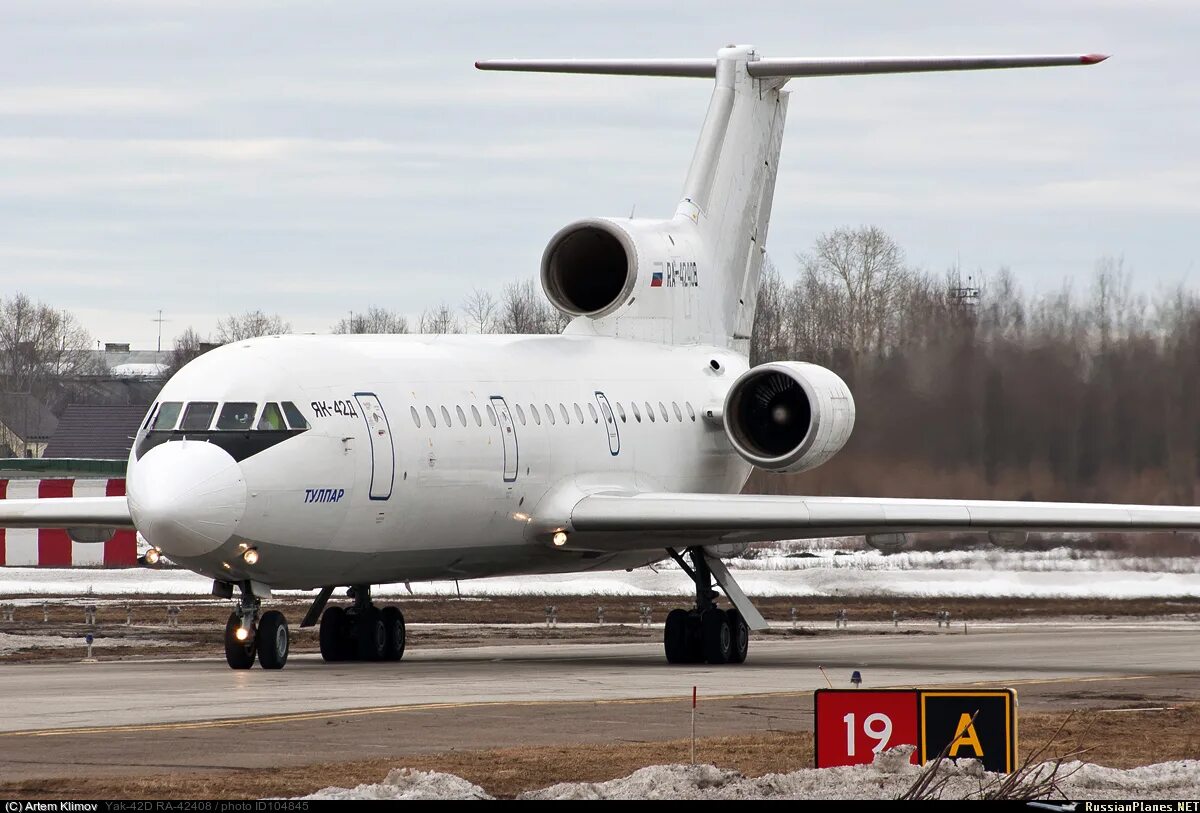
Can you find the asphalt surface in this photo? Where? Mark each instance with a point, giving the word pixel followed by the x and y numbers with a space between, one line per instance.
pixel 73 719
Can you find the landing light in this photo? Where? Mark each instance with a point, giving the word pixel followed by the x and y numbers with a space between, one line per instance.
pixel 152 556
pixel 241 633
pixel 251 556
pixel 559 538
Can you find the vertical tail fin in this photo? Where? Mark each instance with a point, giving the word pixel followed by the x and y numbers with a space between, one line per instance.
pixel 705 262
pixel 729 189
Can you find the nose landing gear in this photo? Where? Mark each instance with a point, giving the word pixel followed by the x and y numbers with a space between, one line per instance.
pixel 247 635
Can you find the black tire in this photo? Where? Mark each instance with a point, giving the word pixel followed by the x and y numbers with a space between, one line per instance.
pixel 675 637
pixel 333 635
pixel 272 640
pixel 393 625
pixel 695 638
pixel 238 654
pixel 370 635
pixel 741 637
pixel 717 636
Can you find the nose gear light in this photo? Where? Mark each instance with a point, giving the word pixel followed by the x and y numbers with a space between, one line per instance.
pixel 250 556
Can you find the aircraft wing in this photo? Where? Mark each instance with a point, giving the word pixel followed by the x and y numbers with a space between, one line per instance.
pixel 641 521
pixel 66 512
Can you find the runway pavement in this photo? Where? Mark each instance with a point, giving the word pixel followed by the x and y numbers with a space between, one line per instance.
pixel 70 718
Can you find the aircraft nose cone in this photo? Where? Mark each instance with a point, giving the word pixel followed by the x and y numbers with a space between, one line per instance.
pixel 186 497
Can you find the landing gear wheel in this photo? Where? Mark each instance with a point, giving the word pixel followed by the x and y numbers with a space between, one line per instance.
pixel 717 636
pixel 393 625
pixel 370 635
pixel 238 654
pixel 695 638
pixel 675 637
pixel 333 635
pixel 741 637
pixel 272 640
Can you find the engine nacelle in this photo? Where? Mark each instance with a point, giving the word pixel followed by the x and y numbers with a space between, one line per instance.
pixel 788 416
pixel 592 267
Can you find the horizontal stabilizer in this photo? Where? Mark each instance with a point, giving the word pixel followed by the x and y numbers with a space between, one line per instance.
pixel 817 66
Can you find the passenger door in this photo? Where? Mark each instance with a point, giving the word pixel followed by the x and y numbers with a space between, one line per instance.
pixel 383 453
pixel 508 435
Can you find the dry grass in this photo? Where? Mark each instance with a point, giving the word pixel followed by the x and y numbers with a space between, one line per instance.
pixel 1120 739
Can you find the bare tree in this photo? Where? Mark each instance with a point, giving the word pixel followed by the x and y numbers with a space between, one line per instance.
pixel 523 309
pixel 40 345
pixel 439 320
pixel 864 271
pixel 480 308
pixel 248 325
pixel 375 320
pixel 188 345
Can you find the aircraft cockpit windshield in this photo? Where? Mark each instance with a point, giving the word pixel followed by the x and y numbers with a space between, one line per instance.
pixel 242 428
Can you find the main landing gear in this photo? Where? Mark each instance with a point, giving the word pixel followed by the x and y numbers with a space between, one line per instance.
pixel 247 634
pixel 706 634
pixel 362 632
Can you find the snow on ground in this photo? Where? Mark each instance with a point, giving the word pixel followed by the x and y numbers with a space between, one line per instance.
pixel 14 643
pixel 1058 573
pixel 889 777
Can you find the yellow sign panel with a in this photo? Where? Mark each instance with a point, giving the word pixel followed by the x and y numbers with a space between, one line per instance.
pixel 978 725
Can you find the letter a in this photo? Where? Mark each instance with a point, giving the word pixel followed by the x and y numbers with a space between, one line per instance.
pixel 966 735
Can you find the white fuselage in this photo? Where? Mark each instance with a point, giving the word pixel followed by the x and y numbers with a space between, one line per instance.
pixel 430 457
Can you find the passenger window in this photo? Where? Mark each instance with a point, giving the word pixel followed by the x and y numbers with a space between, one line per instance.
pixel 168 415
pixel 237 416
pixel 475 415
pixel 491 414
pixel 592 412
pixel 416 416
pixel 678 414
pixel 620 411
pixel 271 420
pixel 550 414
pixel 691 412
pixel 429 415
pixel 462 416
pixel 294 418
pixel 650 412
pixel 562 410
pixel 446 416
pixel 637 413
pixel 521 414
pixel 578 413
pixel 662 410
pixel 198 416
pixel 537 416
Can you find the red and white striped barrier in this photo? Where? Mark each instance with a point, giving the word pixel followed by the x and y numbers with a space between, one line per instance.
pixel 53 547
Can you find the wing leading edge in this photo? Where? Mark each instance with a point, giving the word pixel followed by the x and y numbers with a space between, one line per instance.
pixel 66 512
pixel 640 521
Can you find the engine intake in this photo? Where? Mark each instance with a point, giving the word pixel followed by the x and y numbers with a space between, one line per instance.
pixel 589 268
pixel 788 416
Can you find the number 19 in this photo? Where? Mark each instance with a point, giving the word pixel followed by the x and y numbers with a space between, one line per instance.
pixel 877 726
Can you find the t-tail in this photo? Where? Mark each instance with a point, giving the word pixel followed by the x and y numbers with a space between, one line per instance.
pixel 693 279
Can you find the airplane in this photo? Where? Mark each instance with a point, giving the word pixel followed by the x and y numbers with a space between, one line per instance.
pixel 322 462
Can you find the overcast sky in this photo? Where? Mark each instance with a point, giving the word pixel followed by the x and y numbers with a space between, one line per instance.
pixel 313 158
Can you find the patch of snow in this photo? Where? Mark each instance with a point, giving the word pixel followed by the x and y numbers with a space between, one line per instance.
pixel 407 784
pixel 1058 573
pixel 887 778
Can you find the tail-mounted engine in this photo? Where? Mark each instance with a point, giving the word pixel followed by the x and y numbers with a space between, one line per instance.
pixel 788 416
pixel 592 267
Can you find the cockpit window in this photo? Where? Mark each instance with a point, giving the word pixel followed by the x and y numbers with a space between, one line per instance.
pixel 168 415
pixel 198 416
pixel 272 419
pixel 237 416
pixel 294 418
